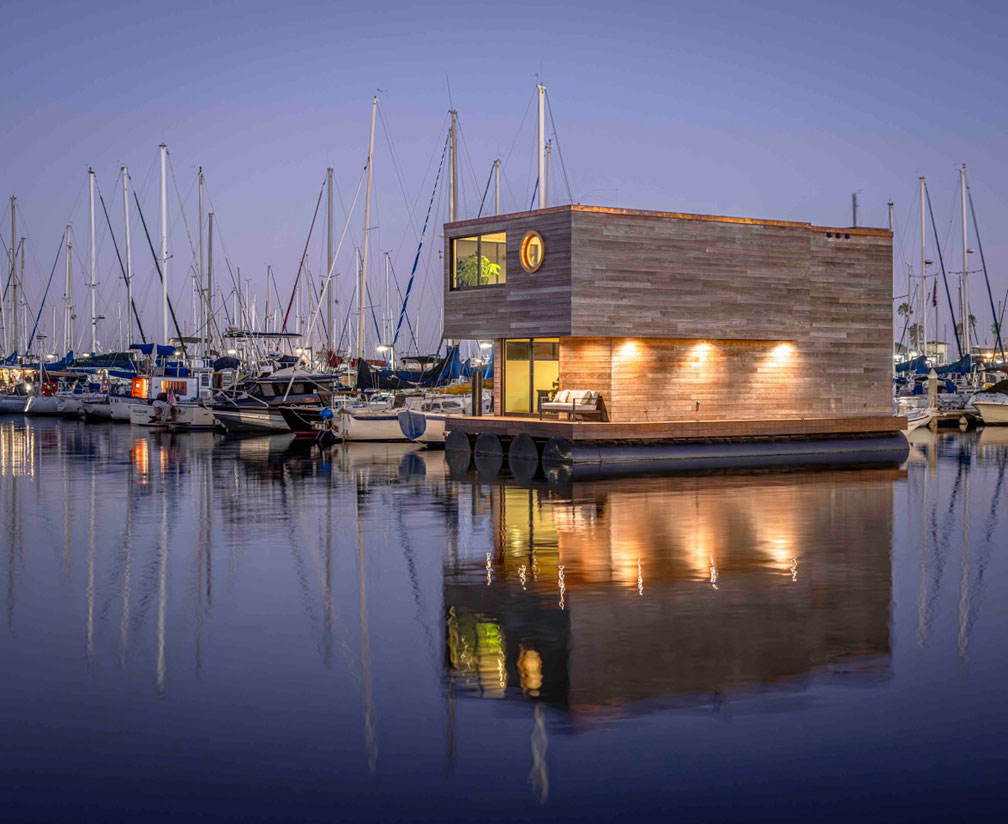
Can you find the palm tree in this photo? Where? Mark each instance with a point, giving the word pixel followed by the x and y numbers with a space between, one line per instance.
pixel 904 309
pixel 916 334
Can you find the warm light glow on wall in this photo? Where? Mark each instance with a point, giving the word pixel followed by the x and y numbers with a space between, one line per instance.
pixel 700 353
pixel 781 355
pixel 629 350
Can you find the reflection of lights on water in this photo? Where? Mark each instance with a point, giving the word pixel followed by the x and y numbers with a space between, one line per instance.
pixel 713 573
pixel 640 579
pixel 17 452
pixel 529 670
pixel 522 576
pixel 794 569
pixel 489 569
pixel 561 584
pixel 141 458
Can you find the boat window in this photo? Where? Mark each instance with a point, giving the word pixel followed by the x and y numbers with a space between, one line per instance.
pixel 480 260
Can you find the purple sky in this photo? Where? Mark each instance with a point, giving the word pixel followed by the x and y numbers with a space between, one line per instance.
pixel 776 110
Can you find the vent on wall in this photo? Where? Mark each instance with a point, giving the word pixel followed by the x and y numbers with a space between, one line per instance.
pixel 837 235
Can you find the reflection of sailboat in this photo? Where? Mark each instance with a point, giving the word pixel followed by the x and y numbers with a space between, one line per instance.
pixel 993 436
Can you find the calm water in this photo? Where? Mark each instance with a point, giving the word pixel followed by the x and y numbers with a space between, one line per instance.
pixel 230 629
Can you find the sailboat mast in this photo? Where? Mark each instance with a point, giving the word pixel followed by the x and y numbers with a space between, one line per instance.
pixel 266 311
pixel 129 258
pixel 923 262
pixel 23 333
pixel 204 320
pixel 541 144
pixel 164 248
pixel 330 296
pixel 209 272
pixel 68 341
pixel 549 158
pixel 964 282
pixel 362 291
pixel 497 186
pixel 91 257
pixel 13 276
pixel 387 319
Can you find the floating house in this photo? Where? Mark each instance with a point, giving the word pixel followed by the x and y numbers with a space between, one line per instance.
pixel 686 328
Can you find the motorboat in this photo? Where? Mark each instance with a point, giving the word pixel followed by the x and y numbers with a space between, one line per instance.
pixel 992 404
pixel 256 405
pixel 171 401
pixel 177 415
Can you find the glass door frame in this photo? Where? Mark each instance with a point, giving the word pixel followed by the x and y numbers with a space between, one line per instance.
pixel 533 399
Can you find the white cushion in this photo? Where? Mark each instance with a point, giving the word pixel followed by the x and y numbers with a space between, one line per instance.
pixel 563 396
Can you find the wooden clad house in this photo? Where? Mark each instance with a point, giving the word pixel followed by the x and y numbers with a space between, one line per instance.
pixel 676 317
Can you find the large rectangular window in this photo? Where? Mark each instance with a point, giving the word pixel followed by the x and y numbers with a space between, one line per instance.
pixel 479 260
pixel 531 372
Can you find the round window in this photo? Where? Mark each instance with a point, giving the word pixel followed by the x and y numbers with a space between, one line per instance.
pixel 532 251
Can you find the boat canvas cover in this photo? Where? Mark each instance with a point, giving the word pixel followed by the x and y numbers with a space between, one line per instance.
pixel 444 371
pixel 149 349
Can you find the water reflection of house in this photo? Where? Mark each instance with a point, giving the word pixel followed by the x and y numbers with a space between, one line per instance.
pixel 674 589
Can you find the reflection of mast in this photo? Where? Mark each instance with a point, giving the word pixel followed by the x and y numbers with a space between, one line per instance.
pixel 127 569
pixel 327 593
pixel 922 591
pixel 11 550
pixel 538 775
pixel 90 570
pixel 162 585
pixel 963 638
pixel 370 736
pixel 204 590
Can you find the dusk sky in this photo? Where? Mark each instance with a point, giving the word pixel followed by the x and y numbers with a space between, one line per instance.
pixel 776 110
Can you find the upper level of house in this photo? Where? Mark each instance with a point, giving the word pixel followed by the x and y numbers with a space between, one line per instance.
pixel 589 271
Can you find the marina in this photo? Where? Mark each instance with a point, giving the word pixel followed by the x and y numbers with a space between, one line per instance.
pixel 462 413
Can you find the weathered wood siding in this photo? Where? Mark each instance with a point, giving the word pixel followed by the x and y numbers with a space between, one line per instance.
pixel 529 304
pixel 637 275
pixel 678 317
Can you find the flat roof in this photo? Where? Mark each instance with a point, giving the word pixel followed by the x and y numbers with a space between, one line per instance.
pixel 609 210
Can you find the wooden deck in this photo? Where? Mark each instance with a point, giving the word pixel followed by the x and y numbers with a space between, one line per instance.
pixel 509 426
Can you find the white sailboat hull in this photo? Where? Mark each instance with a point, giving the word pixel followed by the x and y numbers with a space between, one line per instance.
pixel 98 409
pixel 13 404
pixel 120 406
pixel 917 419
pixel 245 418
pixel 991 412
pixel 42 405
pixel 369 426
pixel 182 416
pixel 422 427
pixel 69 406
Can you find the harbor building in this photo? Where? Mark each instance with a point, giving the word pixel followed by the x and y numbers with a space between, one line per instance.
pixel 686 326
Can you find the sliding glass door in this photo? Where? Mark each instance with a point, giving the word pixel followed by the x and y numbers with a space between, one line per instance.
pixel 531 371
